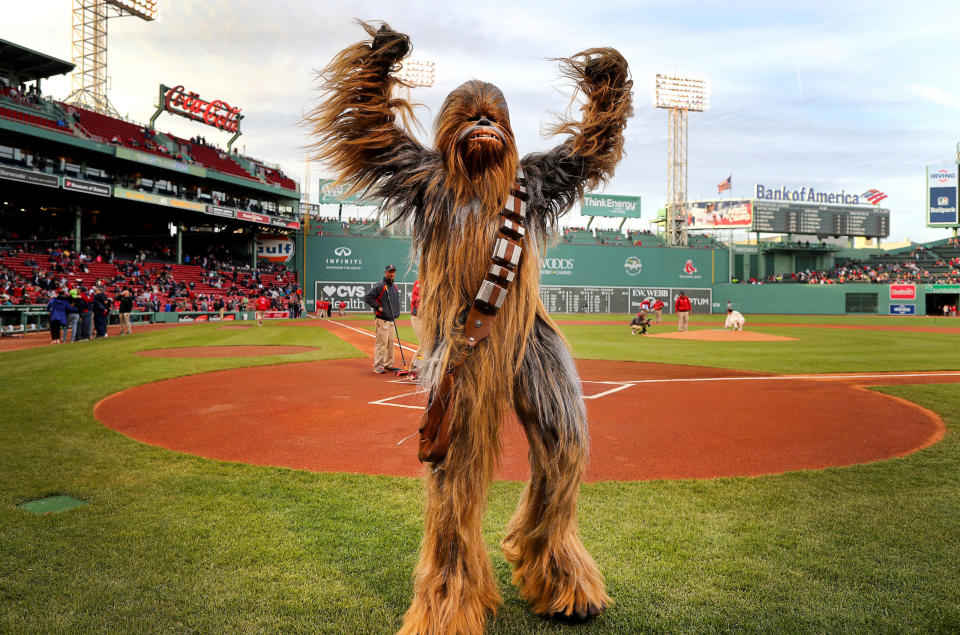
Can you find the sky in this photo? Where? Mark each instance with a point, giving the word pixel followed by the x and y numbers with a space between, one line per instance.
pixel 832 95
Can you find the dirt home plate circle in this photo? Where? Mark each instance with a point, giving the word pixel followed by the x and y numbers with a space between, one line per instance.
pixel 647 421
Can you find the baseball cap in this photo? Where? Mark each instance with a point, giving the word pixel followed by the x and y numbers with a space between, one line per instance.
pixel 390 268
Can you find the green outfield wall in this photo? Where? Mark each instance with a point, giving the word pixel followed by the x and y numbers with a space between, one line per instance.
pixel 612 279
pixel 835 299
pixel 576 278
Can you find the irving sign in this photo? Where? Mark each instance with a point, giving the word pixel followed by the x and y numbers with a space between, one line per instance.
pixel 217 113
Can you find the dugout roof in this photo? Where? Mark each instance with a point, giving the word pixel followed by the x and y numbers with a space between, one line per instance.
pixel 27 64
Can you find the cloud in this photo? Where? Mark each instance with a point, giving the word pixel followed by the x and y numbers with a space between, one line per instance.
pixel 936 95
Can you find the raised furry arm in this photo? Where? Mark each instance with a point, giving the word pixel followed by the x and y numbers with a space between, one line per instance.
pixel 354 126
pixel 590 154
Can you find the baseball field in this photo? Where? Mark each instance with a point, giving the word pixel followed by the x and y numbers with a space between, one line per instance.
pixel 256 479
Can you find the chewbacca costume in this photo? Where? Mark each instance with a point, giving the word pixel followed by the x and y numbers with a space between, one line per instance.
pixel 453 196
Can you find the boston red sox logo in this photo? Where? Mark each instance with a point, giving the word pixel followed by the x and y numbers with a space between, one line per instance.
pixel 689 269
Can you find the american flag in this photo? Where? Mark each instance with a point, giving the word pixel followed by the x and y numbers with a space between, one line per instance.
pixel 874 196
pixel 725 185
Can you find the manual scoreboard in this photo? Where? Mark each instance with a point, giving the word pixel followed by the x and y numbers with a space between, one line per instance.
pixel 782 217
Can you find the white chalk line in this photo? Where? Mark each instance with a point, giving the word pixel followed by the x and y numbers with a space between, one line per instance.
pixel 624 384
pixel 792 377
pixel 388 401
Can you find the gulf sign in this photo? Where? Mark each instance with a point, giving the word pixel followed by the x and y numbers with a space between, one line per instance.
pixel 942 185
pixel 903 292
pixel 274 248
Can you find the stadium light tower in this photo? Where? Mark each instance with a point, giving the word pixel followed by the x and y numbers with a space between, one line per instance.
pixel 417 73
pixel 678 94
pixel 89 47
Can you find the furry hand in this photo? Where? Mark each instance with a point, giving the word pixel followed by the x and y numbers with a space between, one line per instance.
pixel 390 45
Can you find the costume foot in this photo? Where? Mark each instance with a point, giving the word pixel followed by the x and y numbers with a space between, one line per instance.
pixel 437 615
pixel 564 584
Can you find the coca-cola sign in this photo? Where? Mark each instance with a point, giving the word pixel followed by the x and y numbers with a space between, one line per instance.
pixel 217 113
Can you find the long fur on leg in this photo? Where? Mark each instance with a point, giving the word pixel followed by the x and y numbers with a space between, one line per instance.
pixel 454 588
pixel 553 569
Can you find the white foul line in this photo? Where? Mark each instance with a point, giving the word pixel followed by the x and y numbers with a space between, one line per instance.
pixel 373 335
pixel 386 401
pixel 793 377
pixel 620 385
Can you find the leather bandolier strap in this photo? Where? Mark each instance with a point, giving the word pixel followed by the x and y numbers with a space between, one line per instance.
pixel 436 422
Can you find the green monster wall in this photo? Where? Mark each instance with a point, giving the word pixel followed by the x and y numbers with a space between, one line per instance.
pixel 599 279
pixel 574 277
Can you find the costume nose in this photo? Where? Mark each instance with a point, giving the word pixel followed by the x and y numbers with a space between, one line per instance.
pixel 483 121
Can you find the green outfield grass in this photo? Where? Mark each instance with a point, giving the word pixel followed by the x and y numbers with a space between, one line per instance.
pixel 174 543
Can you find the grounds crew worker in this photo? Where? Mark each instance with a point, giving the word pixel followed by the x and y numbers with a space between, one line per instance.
pixel 682 307
pixel 384 299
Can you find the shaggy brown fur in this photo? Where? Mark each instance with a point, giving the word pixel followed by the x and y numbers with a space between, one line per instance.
pixel 452 196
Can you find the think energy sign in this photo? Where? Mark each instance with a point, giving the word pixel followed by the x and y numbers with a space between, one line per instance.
pixel 611 205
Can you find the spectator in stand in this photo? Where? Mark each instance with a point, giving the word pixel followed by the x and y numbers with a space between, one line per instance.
pixel 59 307
pixel 262 305
pixel 682 307
pixel 126 308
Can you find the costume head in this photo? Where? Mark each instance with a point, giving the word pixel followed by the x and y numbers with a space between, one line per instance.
pixel 476 143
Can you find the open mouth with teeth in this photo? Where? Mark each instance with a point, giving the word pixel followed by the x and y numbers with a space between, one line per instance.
pixel 484 136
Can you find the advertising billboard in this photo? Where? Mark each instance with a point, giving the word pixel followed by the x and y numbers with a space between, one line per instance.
pixel 720 214
pixel 942 185
pixel 333 193
pixel 611 205
pixel 275 248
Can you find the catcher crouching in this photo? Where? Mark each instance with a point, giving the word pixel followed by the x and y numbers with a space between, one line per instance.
pixel 481 217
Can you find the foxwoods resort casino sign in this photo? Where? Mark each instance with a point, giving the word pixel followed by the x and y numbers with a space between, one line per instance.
pixel 808 195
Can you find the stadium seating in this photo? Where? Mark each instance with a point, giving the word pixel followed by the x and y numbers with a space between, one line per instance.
pixel 35 120
pixel 217 160
pixel 111 130
pixel 276 177
pixel 108 274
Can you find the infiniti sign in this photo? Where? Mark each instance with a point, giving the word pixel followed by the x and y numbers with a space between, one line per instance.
pixel 342 252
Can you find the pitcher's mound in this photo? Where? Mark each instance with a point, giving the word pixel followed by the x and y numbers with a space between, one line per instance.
pixel 720 335
pixel 225 351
